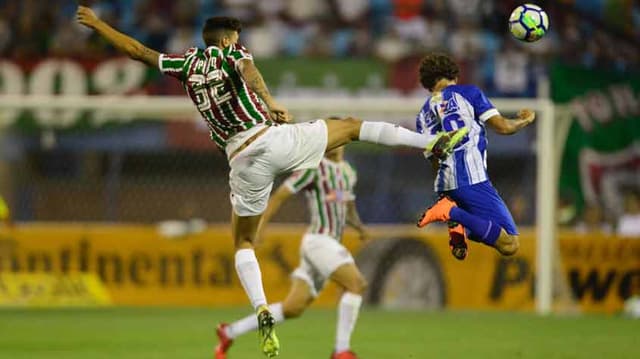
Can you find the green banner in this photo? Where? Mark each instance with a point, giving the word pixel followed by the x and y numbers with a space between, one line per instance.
pixel 602 152
pixel 324 74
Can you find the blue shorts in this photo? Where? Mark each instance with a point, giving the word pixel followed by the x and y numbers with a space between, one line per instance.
pixel 482 200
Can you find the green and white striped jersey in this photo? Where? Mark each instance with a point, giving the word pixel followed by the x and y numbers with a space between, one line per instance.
pixel 327 188
pixel 213 82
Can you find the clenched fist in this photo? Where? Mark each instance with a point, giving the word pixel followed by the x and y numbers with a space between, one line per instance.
pixel 527 115
pixel 86 16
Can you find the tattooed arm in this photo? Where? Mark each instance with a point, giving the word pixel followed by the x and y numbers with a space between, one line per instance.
pixel 120 41
pixel 254 80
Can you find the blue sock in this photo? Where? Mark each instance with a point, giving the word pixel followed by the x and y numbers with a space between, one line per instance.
pixel 482 230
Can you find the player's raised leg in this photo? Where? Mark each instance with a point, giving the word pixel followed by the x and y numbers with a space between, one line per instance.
pixel 348 277
pixel 482 212
pixel 341 132
pixel 297 301
pixel 244 231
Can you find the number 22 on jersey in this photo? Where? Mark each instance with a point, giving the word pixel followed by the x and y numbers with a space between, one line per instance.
pixel 209 87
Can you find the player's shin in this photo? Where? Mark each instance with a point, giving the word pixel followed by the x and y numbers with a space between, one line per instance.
pixel 250 276
pixel 348 310
pixel 249 323
pixel 482 230
pixel 384 133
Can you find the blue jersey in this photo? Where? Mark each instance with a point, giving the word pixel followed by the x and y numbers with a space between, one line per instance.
pixel 455 107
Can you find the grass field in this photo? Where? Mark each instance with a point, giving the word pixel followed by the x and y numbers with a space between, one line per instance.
pixel 189 333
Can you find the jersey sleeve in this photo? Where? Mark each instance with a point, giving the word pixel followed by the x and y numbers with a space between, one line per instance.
pixel 174 64
pixel 236 54
pixel 300 179
pixel 483 108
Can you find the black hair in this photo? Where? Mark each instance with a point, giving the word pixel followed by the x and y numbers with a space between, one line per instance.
pixel 218 26
pixel 434 67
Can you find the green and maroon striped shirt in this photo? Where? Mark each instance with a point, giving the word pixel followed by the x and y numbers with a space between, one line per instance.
pixel 328 188
pixel 214 84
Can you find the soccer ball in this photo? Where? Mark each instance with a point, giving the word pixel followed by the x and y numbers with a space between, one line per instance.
pixel 528 22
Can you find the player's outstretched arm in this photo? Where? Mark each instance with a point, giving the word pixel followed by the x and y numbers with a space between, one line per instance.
pixel 254 80
pixel 505 126
pixel 120 41
pixel 353 220
pixel 275 202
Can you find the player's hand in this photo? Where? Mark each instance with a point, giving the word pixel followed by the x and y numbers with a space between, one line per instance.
pixel 279 113
pixel 86 16
pixel 527 115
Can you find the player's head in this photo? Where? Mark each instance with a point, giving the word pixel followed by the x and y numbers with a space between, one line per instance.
pixel 436 67
pixel 221 31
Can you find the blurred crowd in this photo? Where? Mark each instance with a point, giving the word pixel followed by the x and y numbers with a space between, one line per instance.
pixel 596 218
pixel 594 33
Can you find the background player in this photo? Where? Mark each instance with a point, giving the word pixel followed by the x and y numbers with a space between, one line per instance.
pixel 467 196
pixel 228 90
pixel 331 203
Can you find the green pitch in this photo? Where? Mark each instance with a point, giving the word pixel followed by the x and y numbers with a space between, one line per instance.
pixel 189 333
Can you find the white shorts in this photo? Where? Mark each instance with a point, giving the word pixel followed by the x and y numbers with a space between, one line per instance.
pixel 320 256
pixel 282 148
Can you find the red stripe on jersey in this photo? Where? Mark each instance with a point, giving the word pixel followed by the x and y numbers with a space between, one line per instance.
pixel 327 190
pixel 236 107
pixel 254 99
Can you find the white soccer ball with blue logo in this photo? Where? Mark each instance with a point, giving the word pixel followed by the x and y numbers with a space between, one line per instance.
pixel 528 22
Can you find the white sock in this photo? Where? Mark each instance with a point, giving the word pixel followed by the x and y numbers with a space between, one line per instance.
pixel 392 135
pixel 347 315
pixel 248 270
pixel 250 323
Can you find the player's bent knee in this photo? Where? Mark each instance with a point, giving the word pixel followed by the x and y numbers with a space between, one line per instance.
pixel 244 243
pixel 357 286
pixel 353 124
pixel 510 246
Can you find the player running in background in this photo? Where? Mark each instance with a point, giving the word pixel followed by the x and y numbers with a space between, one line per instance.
pixel 468 199
pixel 331 203
pixel 248 125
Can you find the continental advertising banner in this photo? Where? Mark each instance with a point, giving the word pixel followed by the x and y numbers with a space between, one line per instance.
pixel 405 267
pixel 24 289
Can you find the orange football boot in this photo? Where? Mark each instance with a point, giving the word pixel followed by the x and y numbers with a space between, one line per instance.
pixel 457 240
pixel 439 212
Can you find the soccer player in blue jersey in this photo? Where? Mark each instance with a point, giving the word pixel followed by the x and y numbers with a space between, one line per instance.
pixel 468 199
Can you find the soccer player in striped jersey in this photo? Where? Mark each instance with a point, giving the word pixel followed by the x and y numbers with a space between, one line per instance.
pixel 331 202
pixel 247 124
pixel 468 199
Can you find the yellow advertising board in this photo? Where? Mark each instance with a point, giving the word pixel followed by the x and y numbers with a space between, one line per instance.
pixel 46 290
pixel 138 266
